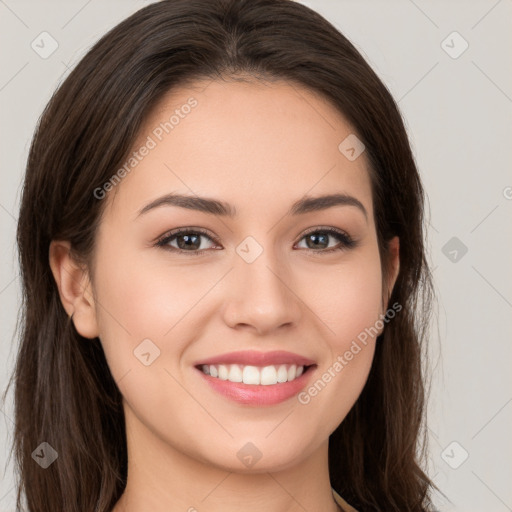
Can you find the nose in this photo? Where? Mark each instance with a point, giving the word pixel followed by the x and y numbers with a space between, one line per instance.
pixel 261 295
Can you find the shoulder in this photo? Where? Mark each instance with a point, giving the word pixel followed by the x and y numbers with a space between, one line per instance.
pixel 342 503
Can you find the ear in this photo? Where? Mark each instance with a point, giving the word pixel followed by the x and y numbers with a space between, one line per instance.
pixel 393 252
pixel 393 267
pixel 75 288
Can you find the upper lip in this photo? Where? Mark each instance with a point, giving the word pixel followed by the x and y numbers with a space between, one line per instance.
pixel 255 358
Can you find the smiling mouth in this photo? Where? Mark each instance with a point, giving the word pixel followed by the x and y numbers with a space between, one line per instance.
pixel 255 375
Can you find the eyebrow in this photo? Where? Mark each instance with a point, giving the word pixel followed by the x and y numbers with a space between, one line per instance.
pixel 215 207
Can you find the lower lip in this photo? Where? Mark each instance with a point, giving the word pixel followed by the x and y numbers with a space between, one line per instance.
pixel 252 394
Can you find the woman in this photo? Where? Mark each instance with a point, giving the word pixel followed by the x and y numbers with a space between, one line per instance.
pixel 225 283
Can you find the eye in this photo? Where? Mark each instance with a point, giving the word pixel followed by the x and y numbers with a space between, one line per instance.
pixel 319 238
pixel 187 240
pixel 190 240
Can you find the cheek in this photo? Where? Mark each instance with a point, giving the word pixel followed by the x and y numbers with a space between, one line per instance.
pixel 356 305
pixel 145 299
pixel 130 306
pixel 142 298
pixel 347 298
pixel 349 309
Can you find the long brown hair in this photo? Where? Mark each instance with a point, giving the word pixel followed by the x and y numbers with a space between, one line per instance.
pixel 64 392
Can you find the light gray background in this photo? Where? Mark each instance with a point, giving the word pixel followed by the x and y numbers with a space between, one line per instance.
pixel 458 113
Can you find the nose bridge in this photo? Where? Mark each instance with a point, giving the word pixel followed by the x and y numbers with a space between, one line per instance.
pixel 261 294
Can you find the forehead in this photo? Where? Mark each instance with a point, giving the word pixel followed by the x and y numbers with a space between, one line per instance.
pixel 247 143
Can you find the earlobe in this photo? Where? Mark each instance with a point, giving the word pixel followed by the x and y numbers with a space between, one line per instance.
pixel 74 287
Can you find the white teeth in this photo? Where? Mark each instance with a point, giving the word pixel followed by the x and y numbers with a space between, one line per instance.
pixel 269 376
pixel 265 376
pixel 235 373
pixel 223 372
pixel 251 375
pixel 282 374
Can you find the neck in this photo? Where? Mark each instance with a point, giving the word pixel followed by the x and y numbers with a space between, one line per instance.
pixel 161 478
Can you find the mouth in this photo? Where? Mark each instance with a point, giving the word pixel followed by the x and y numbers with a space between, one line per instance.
pixel 255 375
pixel 256 378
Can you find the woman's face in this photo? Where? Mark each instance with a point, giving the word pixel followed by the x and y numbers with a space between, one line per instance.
pixel 264 276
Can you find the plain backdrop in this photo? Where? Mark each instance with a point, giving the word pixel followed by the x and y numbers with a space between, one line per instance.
pixel 447 63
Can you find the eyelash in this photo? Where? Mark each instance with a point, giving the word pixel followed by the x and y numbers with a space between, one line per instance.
pixel 346 241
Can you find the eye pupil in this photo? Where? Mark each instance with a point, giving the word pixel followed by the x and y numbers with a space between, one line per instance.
pixel 316 237
pixel 191 241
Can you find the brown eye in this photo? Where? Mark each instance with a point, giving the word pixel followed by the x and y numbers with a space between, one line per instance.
pixel 320 239
pixel 191 241
pixel 187 240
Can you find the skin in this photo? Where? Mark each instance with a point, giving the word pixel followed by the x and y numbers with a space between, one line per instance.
pixel 260 148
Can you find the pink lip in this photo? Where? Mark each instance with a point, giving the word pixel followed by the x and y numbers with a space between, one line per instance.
pixel 255 358
pixel 258 395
